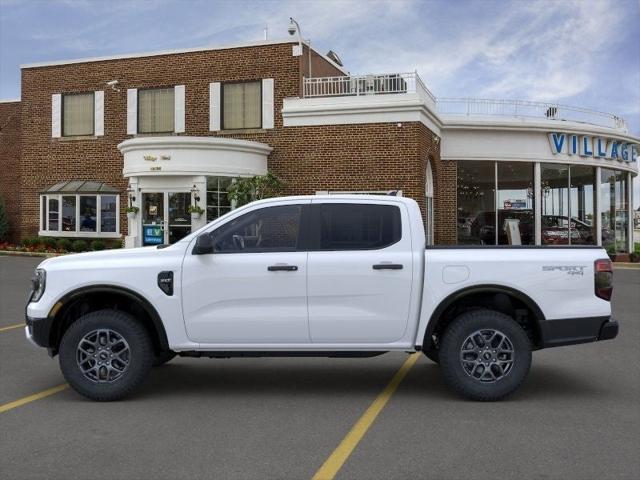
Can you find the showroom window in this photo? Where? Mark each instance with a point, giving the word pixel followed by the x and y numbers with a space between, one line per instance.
pixel 218 202
pixel 78 114
pixel 241 105
pixel 568 204
pixel 79 209
pixel 516 225
pixel 614 210
pixel 476 202
pixel 271 229
pixel 156 110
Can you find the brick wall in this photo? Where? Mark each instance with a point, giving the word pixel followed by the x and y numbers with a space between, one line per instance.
pixel 337 157
pixel 10 162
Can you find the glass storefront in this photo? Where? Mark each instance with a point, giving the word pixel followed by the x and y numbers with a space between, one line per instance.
pixel 516 225
pixel 568 202
pixel 496 204
pixel 476 203
pixel 614 210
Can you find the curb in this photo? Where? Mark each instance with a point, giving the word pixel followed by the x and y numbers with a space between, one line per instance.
pixel 11 253
pixel 626 265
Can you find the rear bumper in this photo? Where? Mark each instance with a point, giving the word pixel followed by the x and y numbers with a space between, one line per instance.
pixel 572 331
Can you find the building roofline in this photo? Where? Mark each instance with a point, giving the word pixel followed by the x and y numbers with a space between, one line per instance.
pixel 9 100
pixel 172 52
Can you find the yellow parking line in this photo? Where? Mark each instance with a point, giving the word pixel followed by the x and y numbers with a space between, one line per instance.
pixel 32 398
pixel 334 463
pixel 11 327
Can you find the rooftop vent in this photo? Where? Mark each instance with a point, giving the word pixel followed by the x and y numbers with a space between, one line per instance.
pixel 333 56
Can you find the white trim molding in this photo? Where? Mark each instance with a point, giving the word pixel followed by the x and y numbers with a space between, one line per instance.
pixel 392 108
pixel 268 103
pixel 132 111
pixel 214 107
pixel 179 103
pixel 56 115
pixel 98 112
pixel 182 155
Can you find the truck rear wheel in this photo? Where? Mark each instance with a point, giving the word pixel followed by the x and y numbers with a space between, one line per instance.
pixel 105 355
pixel 485 355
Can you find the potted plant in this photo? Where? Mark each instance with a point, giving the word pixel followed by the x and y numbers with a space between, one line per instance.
pixel 131 212
pixel 196 211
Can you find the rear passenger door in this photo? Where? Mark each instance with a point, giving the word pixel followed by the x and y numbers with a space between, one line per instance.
pixel 359 272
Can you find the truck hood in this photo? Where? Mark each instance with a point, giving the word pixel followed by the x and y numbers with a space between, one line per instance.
pixel 113 258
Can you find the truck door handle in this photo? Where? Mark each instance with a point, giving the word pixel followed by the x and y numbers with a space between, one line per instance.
pixel 282 268
pixel 388 266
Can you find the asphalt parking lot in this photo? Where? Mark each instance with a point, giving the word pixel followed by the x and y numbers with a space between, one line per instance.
pixel 577 415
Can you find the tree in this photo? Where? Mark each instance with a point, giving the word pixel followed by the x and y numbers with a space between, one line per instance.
pixel 4 222
pixel 248 189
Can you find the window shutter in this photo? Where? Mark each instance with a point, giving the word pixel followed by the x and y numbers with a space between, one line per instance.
pixel 98 111
pixel 132 111
pixel 56 115
pixel 267 103
pixel 214 106
pixel 179 108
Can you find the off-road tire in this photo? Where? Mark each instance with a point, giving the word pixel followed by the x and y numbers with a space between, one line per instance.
pixel 140 358
pixel 432 354
pixel 163 357
pixel 453 341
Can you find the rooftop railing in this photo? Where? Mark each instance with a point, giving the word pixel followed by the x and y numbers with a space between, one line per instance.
pixel 528 109
pixel 401 83
pixel 357 85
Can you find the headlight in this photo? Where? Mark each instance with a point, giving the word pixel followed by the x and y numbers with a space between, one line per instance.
pixel 39 282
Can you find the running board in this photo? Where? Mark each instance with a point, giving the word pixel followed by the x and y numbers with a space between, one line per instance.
pixel 275 353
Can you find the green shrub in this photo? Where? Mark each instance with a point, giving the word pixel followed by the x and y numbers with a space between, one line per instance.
pixel 79 246
pixel 114 244
pixel 47 242
pixel 64 244
pixel 29 242
pixel 97 245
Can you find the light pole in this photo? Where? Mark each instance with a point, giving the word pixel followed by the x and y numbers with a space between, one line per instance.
pixel 294 27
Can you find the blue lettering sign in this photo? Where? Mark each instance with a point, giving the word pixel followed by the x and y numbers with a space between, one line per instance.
pixel 624 152
pixel 557 142
pixel 573 149
pixel 586 147
pixel 601 147
pixel 614 149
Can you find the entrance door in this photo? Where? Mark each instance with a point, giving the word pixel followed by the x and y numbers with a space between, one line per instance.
pixel 164 217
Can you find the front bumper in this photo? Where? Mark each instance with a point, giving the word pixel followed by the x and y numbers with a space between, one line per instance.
pixel 572 331
pixel 38 331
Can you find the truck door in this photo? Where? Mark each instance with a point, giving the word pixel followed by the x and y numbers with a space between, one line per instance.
pixel 359 272
pixel 252 289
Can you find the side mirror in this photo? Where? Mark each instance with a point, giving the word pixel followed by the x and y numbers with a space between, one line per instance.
pixel 204 244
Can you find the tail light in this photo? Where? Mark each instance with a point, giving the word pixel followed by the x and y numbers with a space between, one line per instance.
pixel 603 276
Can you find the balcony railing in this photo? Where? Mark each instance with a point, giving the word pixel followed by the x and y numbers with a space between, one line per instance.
pixel 400 83
pixel 357 85
pixel 528 109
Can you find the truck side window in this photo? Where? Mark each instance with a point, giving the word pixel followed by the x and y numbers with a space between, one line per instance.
pixel 270 229
pixel 350 226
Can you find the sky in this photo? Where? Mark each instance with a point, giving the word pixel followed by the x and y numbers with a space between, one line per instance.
pixel 584 53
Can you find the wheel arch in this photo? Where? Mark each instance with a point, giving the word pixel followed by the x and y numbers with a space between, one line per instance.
pixel 95 297
pixel 499 297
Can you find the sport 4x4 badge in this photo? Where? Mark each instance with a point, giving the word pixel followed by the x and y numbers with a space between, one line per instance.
pixel 570 269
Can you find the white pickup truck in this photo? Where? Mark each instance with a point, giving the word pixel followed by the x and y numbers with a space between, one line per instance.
pixel 345 276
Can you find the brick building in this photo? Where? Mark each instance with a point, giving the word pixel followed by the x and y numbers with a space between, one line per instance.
pixel 165 130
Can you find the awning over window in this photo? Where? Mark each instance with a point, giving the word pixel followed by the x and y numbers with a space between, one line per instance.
pixel 81 186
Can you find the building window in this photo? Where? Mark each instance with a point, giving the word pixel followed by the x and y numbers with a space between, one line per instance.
pixel 516 224
pixel 476 202
pixel 241 105
pixel 614 210
pixel 156 110
pixel 78 114
pixel 218 202
pixel 79 215
pixel 568 200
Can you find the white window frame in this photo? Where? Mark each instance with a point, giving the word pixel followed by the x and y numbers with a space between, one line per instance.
pixel 44 216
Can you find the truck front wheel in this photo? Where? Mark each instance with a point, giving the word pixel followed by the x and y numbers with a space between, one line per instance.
pixel 485 355
pixel 105 355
